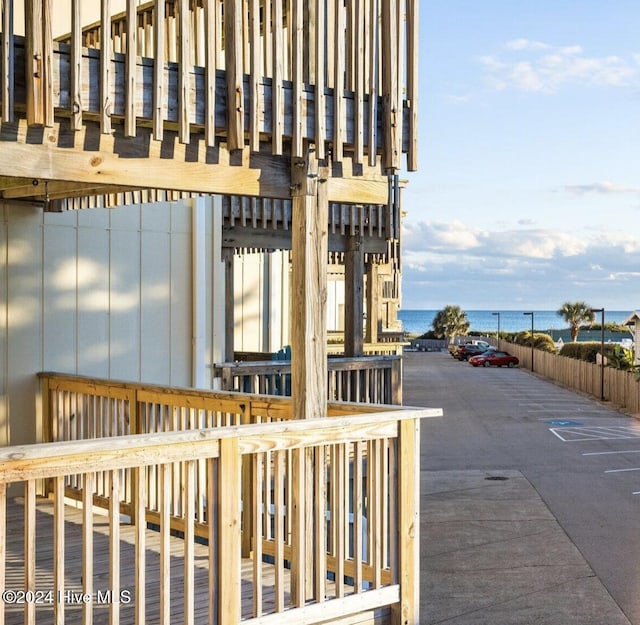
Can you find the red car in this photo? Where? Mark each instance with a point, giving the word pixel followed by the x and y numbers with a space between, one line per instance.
pixel 494 358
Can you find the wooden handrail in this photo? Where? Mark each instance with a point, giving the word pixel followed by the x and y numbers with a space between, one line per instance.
pixel 364 470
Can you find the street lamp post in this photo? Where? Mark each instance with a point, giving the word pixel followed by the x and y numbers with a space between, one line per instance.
pixel 497 335
pixel 531 314
pixel 601 311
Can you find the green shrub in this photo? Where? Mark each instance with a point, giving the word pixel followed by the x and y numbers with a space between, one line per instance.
pixel 588 351
pixel 544 343
pixel 541 341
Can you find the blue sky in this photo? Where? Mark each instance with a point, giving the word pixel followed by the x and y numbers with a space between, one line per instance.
pixel 528 189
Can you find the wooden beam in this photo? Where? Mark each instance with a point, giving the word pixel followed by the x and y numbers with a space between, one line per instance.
pixel 353 297
pixel 166 165
pixel 309 287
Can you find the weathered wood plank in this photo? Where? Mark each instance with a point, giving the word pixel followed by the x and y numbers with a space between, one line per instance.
pixel 309 284
pixel 105 67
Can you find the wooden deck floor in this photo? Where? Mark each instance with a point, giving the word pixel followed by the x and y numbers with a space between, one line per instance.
pixel 14 614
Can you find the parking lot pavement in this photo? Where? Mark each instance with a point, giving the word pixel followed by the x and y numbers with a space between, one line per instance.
pixel 492 553
pixel 519 524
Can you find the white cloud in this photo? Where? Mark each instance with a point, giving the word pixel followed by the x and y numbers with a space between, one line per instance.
pixel 529 265
pixel 600 187
pixel 534 66
pixel 525 44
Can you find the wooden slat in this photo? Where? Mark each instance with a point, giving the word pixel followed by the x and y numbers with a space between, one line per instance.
pixel 321 61
pixel 184 64
pixel 255 75
pixel 47 61
pixel 234 73
pixel 114 546
pixel 278 534
pixel 3 548
pixel 374 64
pixel 58 549
pixel 296 514
pixel 259 517
pixel 413 36
pixel 87 546
pixel 211 52
pixel 390 82
pixel 165 547
pixel 130 69
pixel 140 548
pixel 7 78
pixel 30 549
pixel 277 75
pixel 158 69
pixel 358 511
pixel 320 522
pixel 338 92
pixel 189 538
pixel 359 52
pixel 297 71
pixel 75 99
pixel 105 67
pixel 34 62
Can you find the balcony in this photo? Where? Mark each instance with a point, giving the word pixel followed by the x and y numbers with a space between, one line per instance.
pixel 205 96
pixel 198 505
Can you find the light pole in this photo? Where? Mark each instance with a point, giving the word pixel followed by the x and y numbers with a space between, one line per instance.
pixel 531 313
pixel 601 311
pixel 498 335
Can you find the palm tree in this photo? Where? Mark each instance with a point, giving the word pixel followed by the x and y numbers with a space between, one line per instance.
pixel 575 314
pixel 449 322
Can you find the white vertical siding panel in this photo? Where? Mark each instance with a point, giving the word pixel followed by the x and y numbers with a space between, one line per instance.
pixel 124 297
pixel 93 298
pixel 155 337
pixel 181 294
pixel 59 283
pixel 24 319
pixel 181 309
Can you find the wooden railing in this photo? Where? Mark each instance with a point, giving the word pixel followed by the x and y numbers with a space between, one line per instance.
pixel 370 379
pixel 341 76
pixel 332 502
pixel 621 388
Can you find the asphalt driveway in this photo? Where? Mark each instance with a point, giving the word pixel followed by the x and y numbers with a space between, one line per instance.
pixel 531 499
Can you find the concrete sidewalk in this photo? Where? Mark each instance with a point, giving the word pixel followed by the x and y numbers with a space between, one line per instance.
pixel 493 554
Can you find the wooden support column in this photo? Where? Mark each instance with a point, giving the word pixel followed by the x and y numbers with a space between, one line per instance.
pixel 229 305
pixel 353 297
pixel 309 286
pixel 373 303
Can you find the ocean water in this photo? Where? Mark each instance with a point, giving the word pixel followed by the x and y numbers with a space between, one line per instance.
pixel 419 321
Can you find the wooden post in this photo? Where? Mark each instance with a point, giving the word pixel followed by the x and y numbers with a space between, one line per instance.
pixel 229 574
pixel 229 301
pixel 353 297
pixel 373 303
pixel 309 287
pixel 407 611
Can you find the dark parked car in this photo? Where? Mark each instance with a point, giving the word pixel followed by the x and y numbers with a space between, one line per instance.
pixel 493 357
pixel 466 351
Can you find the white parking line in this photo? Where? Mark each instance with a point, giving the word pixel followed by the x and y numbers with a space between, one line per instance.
pixel 578 434
pixel 610 453
pixel 622 470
